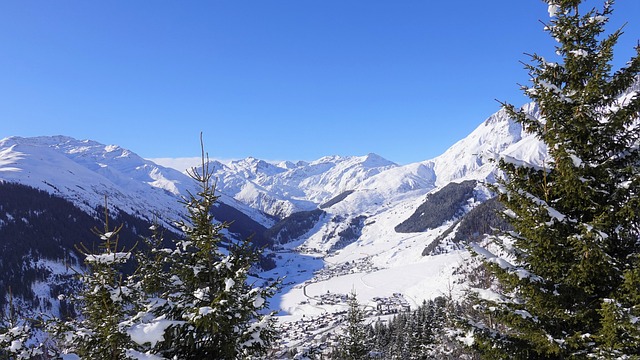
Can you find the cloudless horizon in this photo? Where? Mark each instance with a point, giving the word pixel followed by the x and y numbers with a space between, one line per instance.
pixel 276 80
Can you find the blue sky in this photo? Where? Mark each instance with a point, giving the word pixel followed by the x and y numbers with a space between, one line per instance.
pixel 277 79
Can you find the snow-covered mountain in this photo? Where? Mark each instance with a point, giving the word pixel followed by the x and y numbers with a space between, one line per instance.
pixel 333 225
pixel 51 191
pixel 338 214
pixel 285 188
pixel 498 136
pixel 85 171
pixel 355 187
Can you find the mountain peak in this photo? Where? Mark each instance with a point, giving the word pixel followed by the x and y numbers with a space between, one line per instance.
pixel 374 160
pixel 252 167
pixel 70 145
pixel 40 140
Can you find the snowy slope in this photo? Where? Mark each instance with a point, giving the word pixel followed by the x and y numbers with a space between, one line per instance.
pixel 395 192
pixel 468 159
pixel 85 171
pixel 284 188
pixel 352 246
pixel 381 261
pixel 497 136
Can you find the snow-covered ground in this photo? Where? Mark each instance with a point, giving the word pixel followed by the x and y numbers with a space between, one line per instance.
pixel 312 305
pixel 380 263
pixel 320 267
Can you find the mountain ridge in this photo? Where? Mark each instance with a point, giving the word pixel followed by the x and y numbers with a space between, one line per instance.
pixel 336 216
pixel 86 171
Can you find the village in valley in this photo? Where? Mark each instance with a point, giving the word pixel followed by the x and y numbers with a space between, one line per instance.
pixel 315 333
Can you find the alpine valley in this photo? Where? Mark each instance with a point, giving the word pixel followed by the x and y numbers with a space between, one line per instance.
pixel 396 235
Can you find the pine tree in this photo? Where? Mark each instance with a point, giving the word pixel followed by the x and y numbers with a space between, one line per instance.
pixel 105 302
pixel 149 279
pixel 425 333
pixel 147 285
pixel 380 338
pixel 353 344
pixel 17 335
pixel 207 309
pixel 568 275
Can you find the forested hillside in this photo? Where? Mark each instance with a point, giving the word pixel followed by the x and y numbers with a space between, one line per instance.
pixel 37 228
pixel 439 207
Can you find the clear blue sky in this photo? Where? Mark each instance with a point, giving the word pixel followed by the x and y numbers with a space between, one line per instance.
pixel 273 79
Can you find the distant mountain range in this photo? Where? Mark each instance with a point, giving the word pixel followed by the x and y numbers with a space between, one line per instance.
pixel 339 209
pixel 325 204
pixel 284 188
pixel 85 171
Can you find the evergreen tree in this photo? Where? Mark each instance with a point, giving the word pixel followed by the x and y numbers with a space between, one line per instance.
pixel 207 309
pixel 16 336
pixel 105 302
pixel 149 279
pixel 353 344
pixel 428 332
pixel 380 337
pixel 147 285
pixel 568 275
